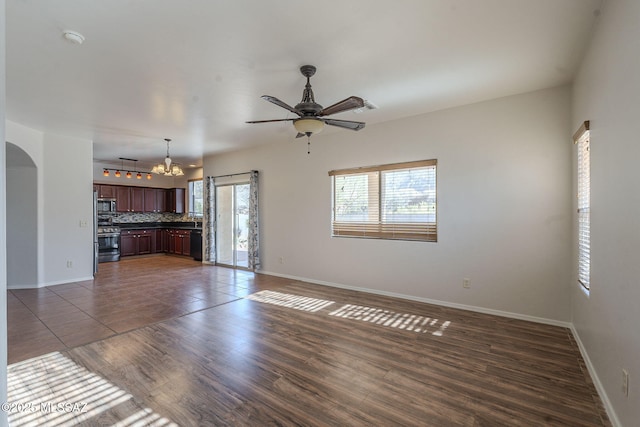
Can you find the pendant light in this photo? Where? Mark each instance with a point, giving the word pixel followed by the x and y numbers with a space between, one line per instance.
pixel 129 173
pixel 168 167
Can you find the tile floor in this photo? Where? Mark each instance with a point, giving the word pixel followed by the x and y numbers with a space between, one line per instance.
pixel 124 296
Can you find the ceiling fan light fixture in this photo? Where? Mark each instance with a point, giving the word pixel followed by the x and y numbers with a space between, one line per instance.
pixel 308 126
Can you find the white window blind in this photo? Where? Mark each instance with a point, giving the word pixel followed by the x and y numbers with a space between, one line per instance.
pixel 584 205
pixel 395 201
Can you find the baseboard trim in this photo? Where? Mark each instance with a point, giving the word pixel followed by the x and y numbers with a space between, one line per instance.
pixel 476 309
pixel 615 422
pixel 43 285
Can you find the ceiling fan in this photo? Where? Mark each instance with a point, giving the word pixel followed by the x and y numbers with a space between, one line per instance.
pixel 311 115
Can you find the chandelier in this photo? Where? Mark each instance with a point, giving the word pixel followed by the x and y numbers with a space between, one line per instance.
pixel 167 168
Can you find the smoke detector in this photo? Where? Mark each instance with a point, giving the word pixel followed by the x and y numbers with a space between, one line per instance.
pixel 73 37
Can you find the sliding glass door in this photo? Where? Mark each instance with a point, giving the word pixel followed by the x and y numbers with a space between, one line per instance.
pixel 232 225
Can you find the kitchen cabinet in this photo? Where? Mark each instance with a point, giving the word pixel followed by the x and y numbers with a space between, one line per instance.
pixel 129 199
pixel 137 199
pixel 106 191
pixel 137 242
pixel 144 199
pixel 150 200
pixel 160 241
pixel 155 200
pixel 161 200
pixel 179 242
pixel 123 199
pixel 185 243
pixel 175 200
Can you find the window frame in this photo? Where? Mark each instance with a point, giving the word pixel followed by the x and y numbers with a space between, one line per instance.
pixel 191 198
pixel 377 228
pixel 582 140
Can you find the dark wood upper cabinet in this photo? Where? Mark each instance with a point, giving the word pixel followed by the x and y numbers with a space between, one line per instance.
pixel 106 191
pixel 144 199
pixel 137 199
pixel 175 200
pixel 150 200
pixel 123 199
pixel 161 200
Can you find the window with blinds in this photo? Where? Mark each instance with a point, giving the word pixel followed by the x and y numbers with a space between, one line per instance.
pixel 395 201
pixel 581 139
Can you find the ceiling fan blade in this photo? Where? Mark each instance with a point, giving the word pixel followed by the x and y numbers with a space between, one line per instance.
pixel 350 103
pixel 347 124
pixel 267 121
pixel 279 103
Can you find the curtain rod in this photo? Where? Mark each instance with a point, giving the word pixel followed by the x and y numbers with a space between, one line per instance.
pixel 233 174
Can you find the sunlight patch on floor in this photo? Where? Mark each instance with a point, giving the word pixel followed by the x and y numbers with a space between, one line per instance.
pixel 295 302
pixel 378 316
pixel 52 390
pixel 391 319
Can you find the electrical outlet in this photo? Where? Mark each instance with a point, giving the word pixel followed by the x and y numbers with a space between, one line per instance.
pixel 466 283
pixel 84 223
pixel 281 259
pixel 69 264
pixel 625 382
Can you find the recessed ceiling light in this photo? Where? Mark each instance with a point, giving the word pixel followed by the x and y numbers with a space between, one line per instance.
pixel 73 37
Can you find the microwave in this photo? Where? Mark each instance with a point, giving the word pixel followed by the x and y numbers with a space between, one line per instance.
pixel 106 205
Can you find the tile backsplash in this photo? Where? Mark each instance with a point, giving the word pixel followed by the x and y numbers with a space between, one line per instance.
pixel 151 217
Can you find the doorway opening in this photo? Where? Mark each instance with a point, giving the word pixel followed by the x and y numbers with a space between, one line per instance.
pixel 232 225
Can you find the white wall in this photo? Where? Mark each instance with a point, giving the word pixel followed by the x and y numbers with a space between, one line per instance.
pixel 504 205
pixel 64 200
pixel 68 209
pixel 3 227
pixel 607 92
pixel 22 219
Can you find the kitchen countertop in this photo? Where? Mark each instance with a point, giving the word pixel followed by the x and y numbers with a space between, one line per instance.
pixel 159 225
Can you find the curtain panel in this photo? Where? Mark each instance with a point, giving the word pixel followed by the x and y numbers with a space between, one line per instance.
pixel 254 228
pixel 209 227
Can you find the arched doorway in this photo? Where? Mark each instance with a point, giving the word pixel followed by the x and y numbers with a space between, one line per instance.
pixel 22 216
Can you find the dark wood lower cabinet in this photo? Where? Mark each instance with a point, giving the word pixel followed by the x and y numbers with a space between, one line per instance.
pixel 150 241
pixel 160 241
pixel 185 243
pixel 137 242
pixel 128 245
pixel 179 242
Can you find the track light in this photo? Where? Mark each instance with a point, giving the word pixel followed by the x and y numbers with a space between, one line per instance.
pixel 129 173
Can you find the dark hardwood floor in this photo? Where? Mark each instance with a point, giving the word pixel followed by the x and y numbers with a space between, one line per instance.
pixel 168 341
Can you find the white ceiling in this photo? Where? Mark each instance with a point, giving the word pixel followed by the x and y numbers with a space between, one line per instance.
pixel 194 70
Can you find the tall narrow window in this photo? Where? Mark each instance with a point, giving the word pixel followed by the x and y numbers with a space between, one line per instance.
pixel 581 139
pixel 196 200
pixel 395 201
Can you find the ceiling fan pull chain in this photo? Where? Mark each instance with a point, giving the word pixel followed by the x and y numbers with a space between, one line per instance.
pixel 308 143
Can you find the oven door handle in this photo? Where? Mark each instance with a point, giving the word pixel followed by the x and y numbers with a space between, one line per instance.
pixel 108 234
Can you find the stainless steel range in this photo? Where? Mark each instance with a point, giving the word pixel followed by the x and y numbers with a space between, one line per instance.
pixel 108 242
